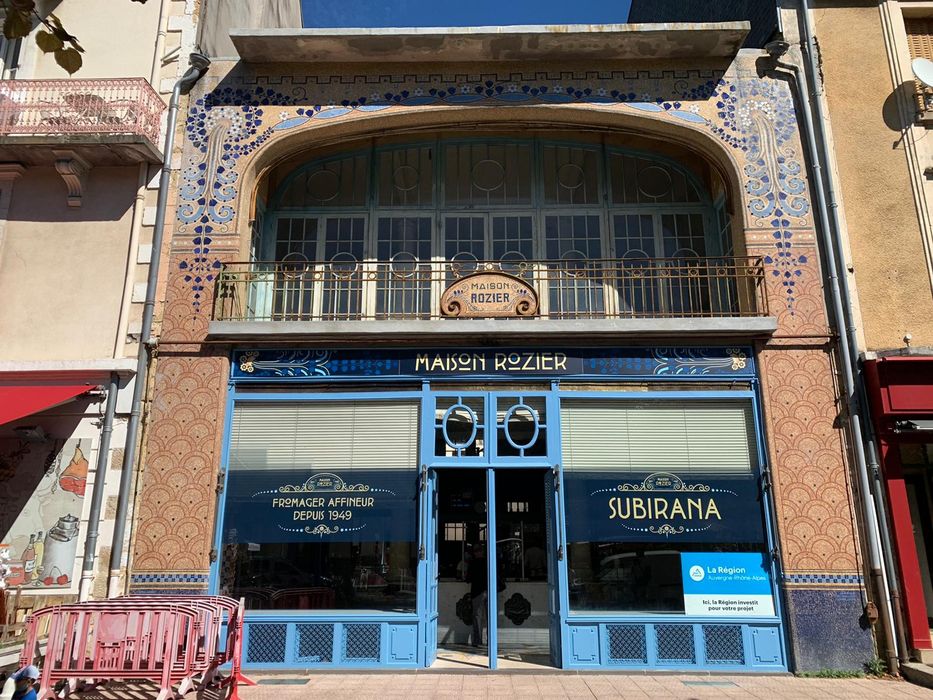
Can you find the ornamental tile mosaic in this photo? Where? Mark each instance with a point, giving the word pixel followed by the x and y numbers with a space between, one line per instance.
pixel 753 117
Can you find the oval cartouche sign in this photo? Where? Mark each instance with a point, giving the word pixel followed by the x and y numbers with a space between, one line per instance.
pixel 489 295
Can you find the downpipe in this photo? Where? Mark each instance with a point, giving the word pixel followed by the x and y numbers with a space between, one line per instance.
pixel 198 65
pixel 889 577
pixel 97 497
pixel 832 247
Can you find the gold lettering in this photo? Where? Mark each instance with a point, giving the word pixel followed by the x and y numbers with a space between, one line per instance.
pixel 421 362
pixel 528 364
pixel 438 363
pixel 500 360
pixel 546 360
pixel 711 509
pixel 612 508
pixel 660 508
pixel 677 509
pixel 694 505
pixel 639 512
pixel 561 361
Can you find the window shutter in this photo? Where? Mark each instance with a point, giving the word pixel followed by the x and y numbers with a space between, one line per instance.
pixel 325 435
pixel 920 43
pixel 698 437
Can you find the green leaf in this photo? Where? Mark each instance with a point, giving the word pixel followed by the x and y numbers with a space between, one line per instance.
pixel 69 59
pixel 48 42
pixel 17 24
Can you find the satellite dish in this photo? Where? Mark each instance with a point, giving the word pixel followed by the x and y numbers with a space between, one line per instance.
pixel 923 70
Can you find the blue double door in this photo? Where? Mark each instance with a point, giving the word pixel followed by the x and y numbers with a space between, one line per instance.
pixel 492 545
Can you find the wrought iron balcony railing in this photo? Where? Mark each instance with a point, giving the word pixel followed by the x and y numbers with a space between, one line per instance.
pixel 565 289
pixel 106 106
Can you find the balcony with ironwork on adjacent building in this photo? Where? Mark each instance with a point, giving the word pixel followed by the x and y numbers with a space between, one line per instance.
pixel 106 121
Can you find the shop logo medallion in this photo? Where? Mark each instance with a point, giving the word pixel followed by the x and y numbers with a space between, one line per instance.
pixel 489 295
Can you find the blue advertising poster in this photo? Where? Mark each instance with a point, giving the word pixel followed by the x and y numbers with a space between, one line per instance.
pixel 726 584
pixel 265 506
pixel 662 507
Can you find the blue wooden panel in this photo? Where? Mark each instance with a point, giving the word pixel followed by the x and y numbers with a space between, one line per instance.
pixel 766 645
pixel 584 644
pixel 403 644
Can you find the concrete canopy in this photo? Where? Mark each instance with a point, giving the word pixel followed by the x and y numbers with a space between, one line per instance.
pixel 515 43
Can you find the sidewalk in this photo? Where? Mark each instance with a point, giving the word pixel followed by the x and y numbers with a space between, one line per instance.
pixel 415 686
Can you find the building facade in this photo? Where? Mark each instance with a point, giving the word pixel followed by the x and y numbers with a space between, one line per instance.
pixel 526 325
pixel 890 265
pixel 79 164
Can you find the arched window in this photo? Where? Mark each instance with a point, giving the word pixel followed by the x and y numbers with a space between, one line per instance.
pixel 598 231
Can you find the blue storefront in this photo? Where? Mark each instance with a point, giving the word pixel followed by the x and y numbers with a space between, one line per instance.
pixel 613 499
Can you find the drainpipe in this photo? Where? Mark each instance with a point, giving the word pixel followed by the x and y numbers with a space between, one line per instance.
pixel 840 301
pixel 198 65
pixel 129 276
pixel 873 466
pixel 97 498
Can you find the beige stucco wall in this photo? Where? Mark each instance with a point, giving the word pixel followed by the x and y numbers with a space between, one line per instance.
pixel 118 37
pixel 61 268
pixel 894 293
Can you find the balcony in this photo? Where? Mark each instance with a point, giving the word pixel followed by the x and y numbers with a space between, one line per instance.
pixel 101 121
pixel 672 296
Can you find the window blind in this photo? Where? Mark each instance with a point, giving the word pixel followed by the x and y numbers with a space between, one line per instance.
pixel 325 435
pixel 920 44
pixel 708 437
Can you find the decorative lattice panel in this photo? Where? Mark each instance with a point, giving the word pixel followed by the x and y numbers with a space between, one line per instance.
pixel 361 643
pixel 724 644
pixel 266 644
pixel 627 644
pixel 675 644
pixel 315 643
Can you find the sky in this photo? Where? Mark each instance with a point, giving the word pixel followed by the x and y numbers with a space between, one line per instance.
pixel 460 13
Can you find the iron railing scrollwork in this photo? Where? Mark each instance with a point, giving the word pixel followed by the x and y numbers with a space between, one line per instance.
pixel 340 290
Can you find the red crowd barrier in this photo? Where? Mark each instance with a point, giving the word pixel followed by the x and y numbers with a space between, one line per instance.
pixel 165 639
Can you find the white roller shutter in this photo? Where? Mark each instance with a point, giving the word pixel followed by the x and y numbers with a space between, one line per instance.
pixel 325 435
pixel 706 437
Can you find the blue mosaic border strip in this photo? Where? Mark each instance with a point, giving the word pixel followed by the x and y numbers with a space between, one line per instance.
pixel 847 579
pixel 168 591
pixel 200 578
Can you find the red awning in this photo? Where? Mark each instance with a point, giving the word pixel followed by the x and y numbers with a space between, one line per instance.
pixel 19 401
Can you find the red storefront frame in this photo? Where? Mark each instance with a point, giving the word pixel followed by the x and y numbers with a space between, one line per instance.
pixel 900 388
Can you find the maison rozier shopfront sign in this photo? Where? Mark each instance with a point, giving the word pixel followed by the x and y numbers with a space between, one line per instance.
pixel 327 365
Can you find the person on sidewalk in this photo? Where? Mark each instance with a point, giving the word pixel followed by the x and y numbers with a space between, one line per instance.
pixel 25 680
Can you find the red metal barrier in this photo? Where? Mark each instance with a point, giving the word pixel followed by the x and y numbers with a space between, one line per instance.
pixel 165 639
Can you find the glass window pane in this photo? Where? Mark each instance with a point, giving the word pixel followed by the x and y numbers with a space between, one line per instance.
pixel 639 180
pixel 320 506
pixel 487 174
pixel 341 292
pixel 406 177
pixel 336 183
pixel 403 287
pixel 571 175
pixel 512 239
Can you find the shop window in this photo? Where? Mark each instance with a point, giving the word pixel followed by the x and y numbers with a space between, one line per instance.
pixel 320 506
pixel 654 489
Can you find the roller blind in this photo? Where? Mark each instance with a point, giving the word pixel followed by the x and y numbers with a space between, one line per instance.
pixel 325 435
pixel 708 437
pixel 920 43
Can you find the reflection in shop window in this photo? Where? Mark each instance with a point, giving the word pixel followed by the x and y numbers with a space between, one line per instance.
pixel 649 483
pixel 320 506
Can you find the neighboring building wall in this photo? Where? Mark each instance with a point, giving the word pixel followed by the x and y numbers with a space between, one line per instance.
pixel 118 37
pixel 870 133
pixel 62 268
pixel 750 120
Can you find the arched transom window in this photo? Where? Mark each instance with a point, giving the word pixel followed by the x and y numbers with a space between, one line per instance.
pixel 597 231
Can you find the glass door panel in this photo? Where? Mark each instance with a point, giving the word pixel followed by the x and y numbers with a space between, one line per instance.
pixel 575 271
pixel 403 277
pixel 342 272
